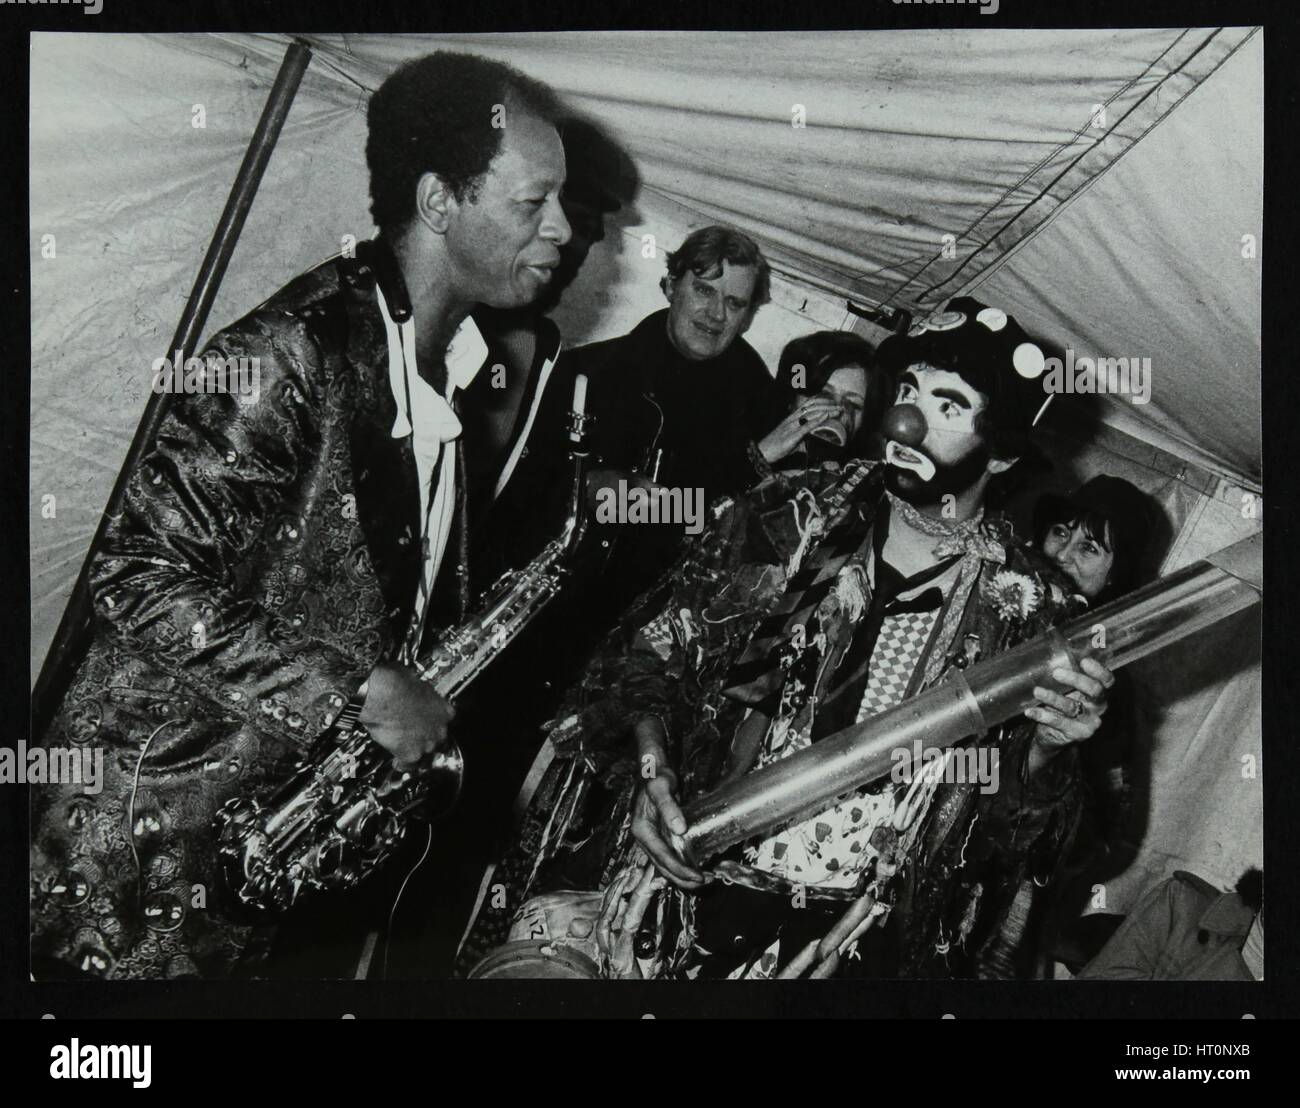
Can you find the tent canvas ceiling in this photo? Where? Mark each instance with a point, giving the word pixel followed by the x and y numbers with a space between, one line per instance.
pixel 1110 173
pixel 1098 184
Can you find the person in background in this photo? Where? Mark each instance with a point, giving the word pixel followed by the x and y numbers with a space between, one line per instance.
pixel 1099 537
pixel 680 401
pixel 1187 930
pixel 836 395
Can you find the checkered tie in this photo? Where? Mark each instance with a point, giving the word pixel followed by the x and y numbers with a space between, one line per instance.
pixel 903 636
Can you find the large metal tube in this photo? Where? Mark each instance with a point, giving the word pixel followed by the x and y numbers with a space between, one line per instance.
pixel 73 631
pixel 976 700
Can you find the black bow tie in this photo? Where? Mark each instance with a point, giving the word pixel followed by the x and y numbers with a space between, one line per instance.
pixel 928 600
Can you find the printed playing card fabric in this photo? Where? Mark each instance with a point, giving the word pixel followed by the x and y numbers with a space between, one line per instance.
pixel 832 849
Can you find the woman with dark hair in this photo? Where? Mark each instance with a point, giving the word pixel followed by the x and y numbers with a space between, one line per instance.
pixel 1098 536
pixel 836 395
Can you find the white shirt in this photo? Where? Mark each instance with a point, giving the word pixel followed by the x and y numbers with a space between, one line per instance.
pixel 517 450
pixel 429 418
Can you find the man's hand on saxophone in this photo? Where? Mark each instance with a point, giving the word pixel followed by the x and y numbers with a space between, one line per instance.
pixel 404 715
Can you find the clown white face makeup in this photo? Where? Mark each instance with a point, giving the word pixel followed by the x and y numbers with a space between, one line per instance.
pixel 952 455
pixel 949 404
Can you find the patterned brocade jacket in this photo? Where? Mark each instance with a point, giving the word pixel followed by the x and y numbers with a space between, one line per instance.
pixel 678 654
pixel 264 560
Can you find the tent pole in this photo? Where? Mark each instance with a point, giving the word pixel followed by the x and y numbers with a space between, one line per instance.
pixel 72 635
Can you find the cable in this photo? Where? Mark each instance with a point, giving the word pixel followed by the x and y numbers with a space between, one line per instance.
pixel 388 935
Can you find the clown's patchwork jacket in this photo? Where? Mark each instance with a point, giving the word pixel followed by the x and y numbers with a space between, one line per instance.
pixel 685 653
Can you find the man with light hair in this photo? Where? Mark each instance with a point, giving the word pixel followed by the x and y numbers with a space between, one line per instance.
pixel 681 400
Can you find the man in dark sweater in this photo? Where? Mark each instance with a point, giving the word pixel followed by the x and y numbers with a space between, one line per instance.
pixel 681 401
pixel 682 398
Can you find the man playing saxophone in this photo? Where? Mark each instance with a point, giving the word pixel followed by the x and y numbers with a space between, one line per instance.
pixel 283 554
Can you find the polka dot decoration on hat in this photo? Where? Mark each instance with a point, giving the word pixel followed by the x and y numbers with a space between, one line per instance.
pixel 1028 360
pixel 985 345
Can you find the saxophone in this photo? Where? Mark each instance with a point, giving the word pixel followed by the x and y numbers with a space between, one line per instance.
pixel 346 808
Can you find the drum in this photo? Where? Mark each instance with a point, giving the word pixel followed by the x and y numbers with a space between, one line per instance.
pixel 535 959
pixel 552 937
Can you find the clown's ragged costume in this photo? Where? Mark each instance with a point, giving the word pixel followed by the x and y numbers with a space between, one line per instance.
pixel 782 625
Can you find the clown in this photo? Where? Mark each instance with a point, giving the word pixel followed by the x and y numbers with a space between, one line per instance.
pixel 818 600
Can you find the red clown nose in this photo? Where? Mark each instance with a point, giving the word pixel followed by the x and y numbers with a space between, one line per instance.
pixel 905 424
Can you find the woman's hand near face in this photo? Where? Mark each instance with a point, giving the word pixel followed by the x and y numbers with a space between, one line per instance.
pixel 786 436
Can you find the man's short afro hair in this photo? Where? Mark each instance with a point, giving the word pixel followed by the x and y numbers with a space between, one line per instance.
pixel 442 114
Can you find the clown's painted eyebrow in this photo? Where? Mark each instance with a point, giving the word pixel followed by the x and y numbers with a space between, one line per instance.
pixel 957 398
pixel 960 399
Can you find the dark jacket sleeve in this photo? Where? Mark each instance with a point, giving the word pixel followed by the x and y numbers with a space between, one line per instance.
pixel 1035 818
pixel 759 406
pixel 1032 818
pixel 177 579
pixel 766 403
pixel 650 665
